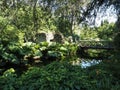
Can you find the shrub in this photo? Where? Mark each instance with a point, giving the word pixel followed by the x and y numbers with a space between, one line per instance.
pixel 117 41
pixel 60 76
pixel 55 76
pixel 8 80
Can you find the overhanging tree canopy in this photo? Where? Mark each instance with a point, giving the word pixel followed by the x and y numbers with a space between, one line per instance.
pixel 95 5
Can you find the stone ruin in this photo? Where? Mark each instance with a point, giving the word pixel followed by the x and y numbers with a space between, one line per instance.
pixel 49 37
pixel 41 37
pixel 58 37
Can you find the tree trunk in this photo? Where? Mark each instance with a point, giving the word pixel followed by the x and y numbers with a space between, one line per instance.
pixel 34 16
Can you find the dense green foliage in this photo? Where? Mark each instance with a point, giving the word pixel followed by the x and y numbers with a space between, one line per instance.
pixel 60 76
pixel 117 42
pixel 28 64
pixel 24 54
pixel 104 32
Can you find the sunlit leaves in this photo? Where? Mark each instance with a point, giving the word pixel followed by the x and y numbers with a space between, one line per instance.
pixel 106 31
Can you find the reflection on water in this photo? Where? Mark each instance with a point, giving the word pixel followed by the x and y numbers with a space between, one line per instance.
pixel 86 63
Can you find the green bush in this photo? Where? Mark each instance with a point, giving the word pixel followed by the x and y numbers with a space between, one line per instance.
pixel 64 76
pixel 8 80
pixel 55 76
pixel 59 76
pixel 14 55
pixel 117 41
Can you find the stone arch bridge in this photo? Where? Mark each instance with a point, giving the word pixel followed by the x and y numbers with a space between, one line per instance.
pixel 92 44
pixel 84 45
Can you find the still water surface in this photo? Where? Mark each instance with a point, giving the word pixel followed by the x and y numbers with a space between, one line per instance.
pixel 86 63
